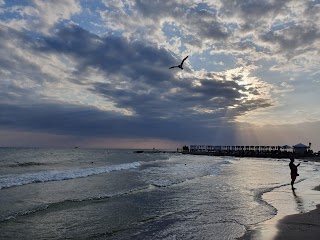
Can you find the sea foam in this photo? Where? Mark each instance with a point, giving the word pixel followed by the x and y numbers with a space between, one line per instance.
pixel 13 180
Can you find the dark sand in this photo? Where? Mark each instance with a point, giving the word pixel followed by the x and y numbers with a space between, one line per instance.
pixel 317 188
pixel 288 224
pixel 300 226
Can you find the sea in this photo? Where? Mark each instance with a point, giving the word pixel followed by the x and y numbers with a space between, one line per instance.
pixel 119 194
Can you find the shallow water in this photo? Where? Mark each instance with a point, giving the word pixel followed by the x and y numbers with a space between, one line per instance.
pixel 118 194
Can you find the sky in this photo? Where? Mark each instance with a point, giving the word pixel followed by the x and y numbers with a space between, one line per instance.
pixel 96 73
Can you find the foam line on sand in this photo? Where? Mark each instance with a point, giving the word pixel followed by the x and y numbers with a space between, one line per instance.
pixel 298 215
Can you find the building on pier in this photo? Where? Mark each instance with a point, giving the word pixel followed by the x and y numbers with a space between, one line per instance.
pixel 301 148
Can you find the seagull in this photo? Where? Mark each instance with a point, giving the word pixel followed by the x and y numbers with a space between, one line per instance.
pixel 180 66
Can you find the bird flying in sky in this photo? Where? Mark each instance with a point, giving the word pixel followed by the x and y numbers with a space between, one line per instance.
pixel 180 65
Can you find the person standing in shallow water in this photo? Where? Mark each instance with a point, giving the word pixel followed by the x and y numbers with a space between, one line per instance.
pixel 294 171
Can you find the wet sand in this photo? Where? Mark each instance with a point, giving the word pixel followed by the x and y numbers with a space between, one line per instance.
pixel 300 226
pixel 317 188
pixel 296 216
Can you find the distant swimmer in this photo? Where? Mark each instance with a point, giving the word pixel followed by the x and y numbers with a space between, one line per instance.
pixel 180 66
pixel 294 171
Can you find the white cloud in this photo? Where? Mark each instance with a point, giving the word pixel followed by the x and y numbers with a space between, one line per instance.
pixel 274 30
pixel 41 16
pixel 53 11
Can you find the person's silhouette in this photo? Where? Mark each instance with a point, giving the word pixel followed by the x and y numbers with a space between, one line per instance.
pixel 294 171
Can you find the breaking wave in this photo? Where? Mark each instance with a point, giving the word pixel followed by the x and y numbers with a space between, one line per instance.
pixel 8 181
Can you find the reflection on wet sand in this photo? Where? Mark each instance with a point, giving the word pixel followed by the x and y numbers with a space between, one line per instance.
pixel 299 202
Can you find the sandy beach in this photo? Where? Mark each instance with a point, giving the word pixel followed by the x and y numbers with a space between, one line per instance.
pixel 300 226
pixel 298 214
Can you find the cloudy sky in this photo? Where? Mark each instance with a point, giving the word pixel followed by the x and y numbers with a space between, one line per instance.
pixel 96 73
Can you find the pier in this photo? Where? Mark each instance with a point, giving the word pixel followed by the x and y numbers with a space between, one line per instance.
pixel 297 151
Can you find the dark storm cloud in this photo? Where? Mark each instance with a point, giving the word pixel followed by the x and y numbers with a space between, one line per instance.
pixel 112 55
pixel 155 103
pixel 85 121
pixel 139 64
pixel 15 64
pixel 163 106
pixel 68 78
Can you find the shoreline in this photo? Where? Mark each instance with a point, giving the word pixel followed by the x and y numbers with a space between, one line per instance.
pixel 300 226
pixel 293 220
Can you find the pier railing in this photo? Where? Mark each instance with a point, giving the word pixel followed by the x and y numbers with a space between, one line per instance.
pixel 246 151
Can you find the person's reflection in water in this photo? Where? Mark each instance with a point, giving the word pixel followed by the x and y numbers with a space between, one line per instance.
pixel 298 201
